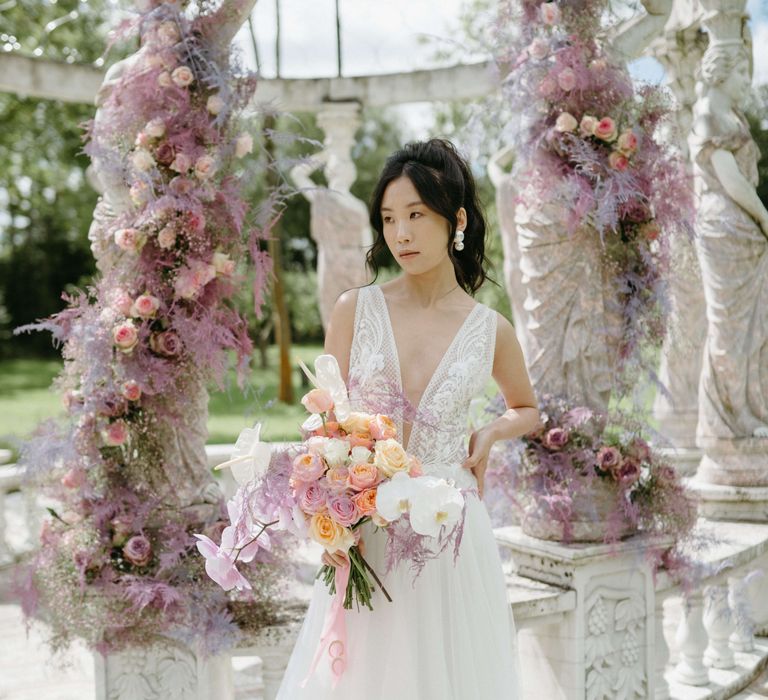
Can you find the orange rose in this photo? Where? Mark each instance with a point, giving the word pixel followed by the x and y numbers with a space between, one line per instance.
pixel 366 501
pixel 360 440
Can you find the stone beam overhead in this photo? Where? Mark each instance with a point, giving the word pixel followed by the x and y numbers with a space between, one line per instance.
pixel 36 77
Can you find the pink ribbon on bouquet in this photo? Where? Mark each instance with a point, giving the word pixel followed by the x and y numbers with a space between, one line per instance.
pixel 334 637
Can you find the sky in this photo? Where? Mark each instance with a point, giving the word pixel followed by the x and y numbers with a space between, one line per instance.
pixel 398 36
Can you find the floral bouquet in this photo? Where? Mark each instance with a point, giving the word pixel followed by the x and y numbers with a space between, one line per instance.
pixel 349 470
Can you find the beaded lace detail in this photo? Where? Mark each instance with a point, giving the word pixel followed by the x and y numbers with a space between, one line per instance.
pixel 439 431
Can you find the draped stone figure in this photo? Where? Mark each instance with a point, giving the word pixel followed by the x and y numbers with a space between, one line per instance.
pixel 339 220
pixel 506 195
pixel 732 244
pixel 572 330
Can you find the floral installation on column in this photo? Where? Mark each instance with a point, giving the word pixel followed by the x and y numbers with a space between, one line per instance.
pixel 117 564
pixel 589 150
pixel 588 142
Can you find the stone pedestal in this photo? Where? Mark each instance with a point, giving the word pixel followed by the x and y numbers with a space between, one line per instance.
pixel 603 648
pixel 165 670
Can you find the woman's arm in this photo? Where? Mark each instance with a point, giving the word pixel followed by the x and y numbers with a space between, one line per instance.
pixel 341 326
pixel 738 187
pixel 521 415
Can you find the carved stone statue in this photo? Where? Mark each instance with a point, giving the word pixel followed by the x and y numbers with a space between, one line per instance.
pixel 732 244
pixel 505 206
pixel 339 220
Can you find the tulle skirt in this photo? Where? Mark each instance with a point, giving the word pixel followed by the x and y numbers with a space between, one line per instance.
pixel 447 636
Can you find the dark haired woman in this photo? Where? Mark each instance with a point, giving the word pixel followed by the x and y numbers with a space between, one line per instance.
pixel 420 348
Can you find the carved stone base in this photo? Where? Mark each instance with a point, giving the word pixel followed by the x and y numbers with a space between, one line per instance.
pixel 685 460
pixel 738 462
pixel 603 648
pixel 740 503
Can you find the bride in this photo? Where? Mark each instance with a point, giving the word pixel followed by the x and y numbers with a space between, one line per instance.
pixel 419 348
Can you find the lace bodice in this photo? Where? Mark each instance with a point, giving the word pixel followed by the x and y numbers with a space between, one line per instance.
pixel 440 421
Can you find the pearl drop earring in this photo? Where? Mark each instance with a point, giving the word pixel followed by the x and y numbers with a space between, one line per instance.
pixel 458 240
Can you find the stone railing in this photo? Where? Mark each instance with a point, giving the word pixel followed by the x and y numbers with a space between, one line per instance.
pixel 632 634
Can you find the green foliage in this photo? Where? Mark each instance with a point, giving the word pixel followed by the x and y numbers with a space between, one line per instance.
pixel 758 123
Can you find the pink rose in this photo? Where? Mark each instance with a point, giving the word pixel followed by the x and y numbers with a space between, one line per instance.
pixel 243 145
pixel 307 467
pixel 336 479
pixel 181 185
pixel 165 153
pixel 566 122
pixel 167 237
pixel 627 142
pixel 629 472
pixel 205 167
pixel 131 390
pixel 182 76
pixel 382 427
pixel 145 306
pixel 143 140
pixel 194 221
pixel 343 510
pixel 609 459
pixel 555 438
pixel 155 128
pixel 605 129
pixel 121 301
pixel 538 49
pixel 566 79
pixel 192 278
pixel 142 160
pixel 115 433
pixel 587 125
pixel 125 336
pixel 317 401
pixel 414 467
pixel 312 497
pixel 130 239
pixel 181 163
pixel 224 265
pixel 550 13
pixel 362 476
pixel 164 79
pixel 214 104
pixel 547 86
pixel 138 551
pixel 618 161
pixel 73 479
pixel 165 343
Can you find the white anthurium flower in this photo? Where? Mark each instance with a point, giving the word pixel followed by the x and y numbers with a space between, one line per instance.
pixel 314 422
pixel 434 503
pixel 360 454
pixel 393 497
pixel 328 377
pixel 250 457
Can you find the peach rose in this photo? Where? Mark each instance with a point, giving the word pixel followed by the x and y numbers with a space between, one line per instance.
pixel 390 457
pixel 336 478
pixel 550 13
pixel 205 167
pixel 243 145
pixel 317 401
pixel 357 422
pixel 627 142
pixel 566 79
pixel 181 163
pixel 307 467
pixel 366 501
pixel 182 76
pixel 328 533
pixel 605 129
pixel 116 433
pixel 618 161
pixel 382 427
pixel 587 125
pixel 131 390
pixel 362 476
pixel 145 306
pixel 164 79
pixel 566 122
pixel 360 440
pixel 125 336
pixel 167 237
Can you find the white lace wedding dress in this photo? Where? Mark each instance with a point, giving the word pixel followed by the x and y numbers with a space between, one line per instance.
pixel 450 635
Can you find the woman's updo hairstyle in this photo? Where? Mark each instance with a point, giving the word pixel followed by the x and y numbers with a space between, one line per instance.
pixel 445 184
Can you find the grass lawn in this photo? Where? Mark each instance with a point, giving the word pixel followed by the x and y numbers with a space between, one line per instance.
pixel 26 399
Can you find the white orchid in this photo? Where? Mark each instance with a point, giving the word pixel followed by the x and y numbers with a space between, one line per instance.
pixel 434 503
pixel 393 497
pixel 327 376
pixel 250 457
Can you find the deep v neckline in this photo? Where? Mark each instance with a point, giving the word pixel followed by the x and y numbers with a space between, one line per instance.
pixel 438 367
